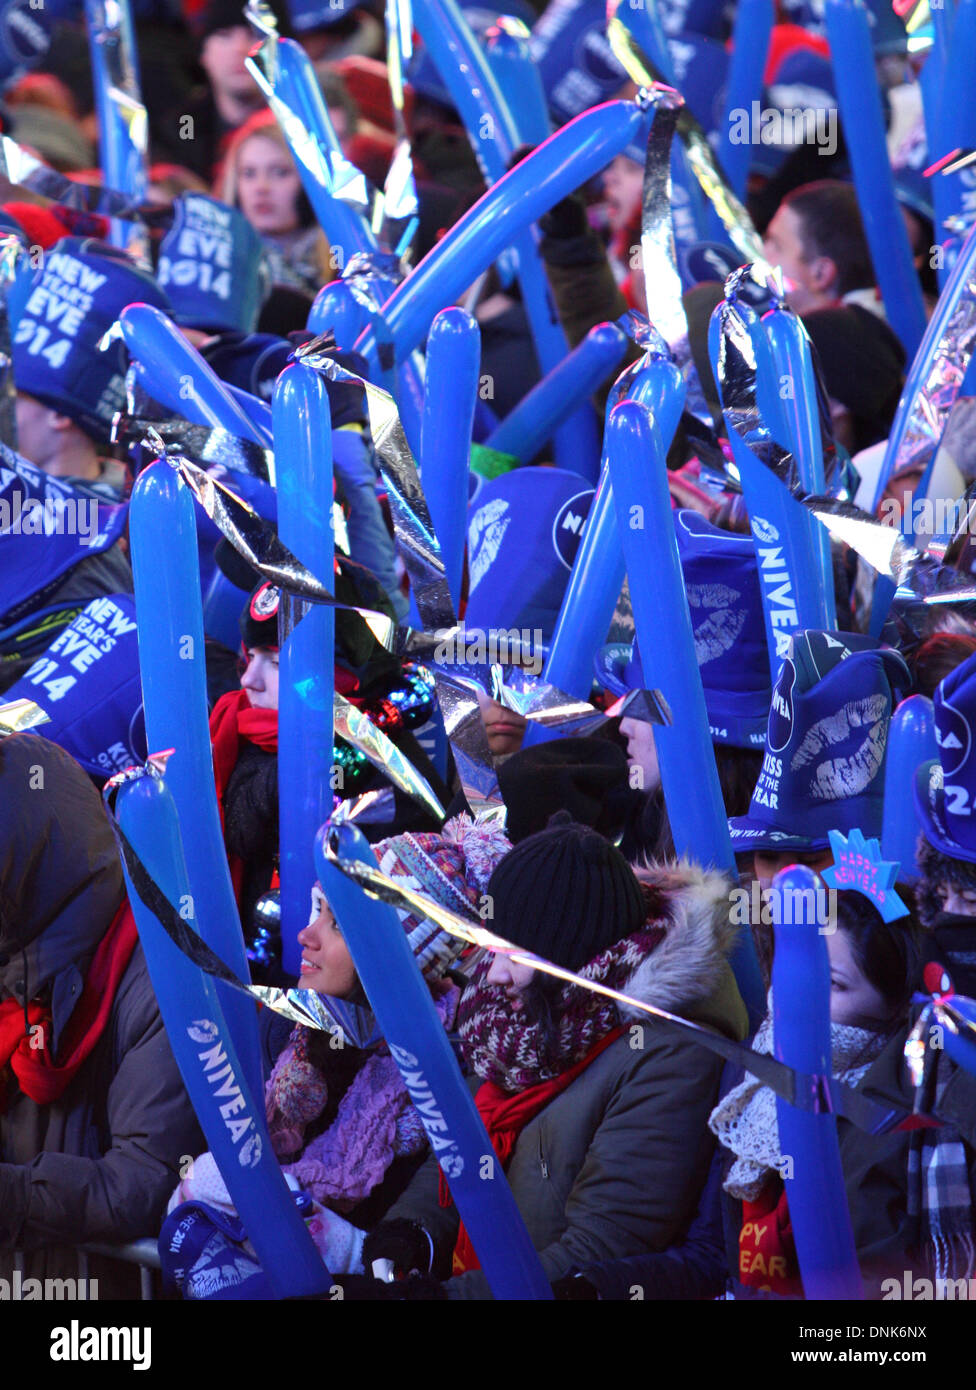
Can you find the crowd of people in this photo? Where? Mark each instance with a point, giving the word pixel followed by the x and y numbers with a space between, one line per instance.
pixel 637 1159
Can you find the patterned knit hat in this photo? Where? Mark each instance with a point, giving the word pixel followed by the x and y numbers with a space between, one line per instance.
pixel 452 867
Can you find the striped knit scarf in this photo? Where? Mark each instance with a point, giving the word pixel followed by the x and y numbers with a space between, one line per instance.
pixel 939 1195
pixel 501 1047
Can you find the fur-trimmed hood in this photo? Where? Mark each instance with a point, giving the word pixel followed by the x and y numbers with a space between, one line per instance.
pixel 689 968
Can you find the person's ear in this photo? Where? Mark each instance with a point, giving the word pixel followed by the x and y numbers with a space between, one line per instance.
pixel 823 273
pixel 57 421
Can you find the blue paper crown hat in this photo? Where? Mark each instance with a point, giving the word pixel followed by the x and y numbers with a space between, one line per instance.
pixel 75 298
pixel 945 788
pixel 523 533
pixel 213 265
pixel 722 583
pixel 823 766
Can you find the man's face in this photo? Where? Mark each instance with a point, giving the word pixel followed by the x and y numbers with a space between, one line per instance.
pixel 36 438
pixel 810 284
pixel 222 57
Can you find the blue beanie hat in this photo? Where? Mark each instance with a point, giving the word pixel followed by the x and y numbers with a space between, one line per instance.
pixel 213 265
pixel 823 767
pixel 721 580
pixel 75 297
pixel 523 533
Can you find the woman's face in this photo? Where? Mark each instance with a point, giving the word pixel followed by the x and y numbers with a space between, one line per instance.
pixel 642 752
pixel 260 678
pixel 961 902
pixel 504 727
pixel 326 963
pixel 268 186
pixel 853 999
pixel 512 978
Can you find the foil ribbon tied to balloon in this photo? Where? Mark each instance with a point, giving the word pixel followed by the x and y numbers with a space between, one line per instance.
pixel 122 119
pixel 17 716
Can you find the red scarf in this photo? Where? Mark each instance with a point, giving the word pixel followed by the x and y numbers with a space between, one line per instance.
pixel 505 1117
pixel 29 1053
pixel 233 720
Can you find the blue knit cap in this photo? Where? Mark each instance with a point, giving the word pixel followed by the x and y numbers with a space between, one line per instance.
pixel 213 265
pixel 76 296
pixel 945 789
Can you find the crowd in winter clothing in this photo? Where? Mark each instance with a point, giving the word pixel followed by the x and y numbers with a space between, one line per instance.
pixel 636 1156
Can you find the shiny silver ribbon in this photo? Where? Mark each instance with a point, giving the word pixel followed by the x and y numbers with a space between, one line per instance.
pixel 18 715
pixel 11 250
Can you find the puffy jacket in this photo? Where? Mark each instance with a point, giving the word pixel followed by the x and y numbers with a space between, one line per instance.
pixel 615 1164
pixel 98 1163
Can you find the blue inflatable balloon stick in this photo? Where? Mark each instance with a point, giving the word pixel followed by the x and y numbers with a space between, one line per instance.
pixel 230 1111
pixel 638 470
pixel 172 660
pixel 911 741
pixel 405 1011
pixel 307 778
pixel 519 81
pixel 453 357
pixel 549 173
pixel 339 311
pixel 123 131
pixel 750 47
pixel 859 98
pixel 180 377
pixel 811 1168
pixel 531 423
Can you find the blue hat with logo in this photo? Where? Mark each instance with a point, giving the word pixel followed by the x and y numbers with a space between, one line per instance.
pixel 823 766
pixel 725 601
pixel 88 684
pixel 945 788
pixel 75 297
pixel 523 533
pixel 213 265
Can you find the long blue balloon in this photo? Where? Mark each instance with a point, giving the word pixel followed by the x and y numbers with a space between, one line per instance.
pixel 526 429
pixel 306 681
pixel 911 741
pixel 750 47
pixel 786 537
pixel 178 372
pixel 416 1038
pixel 559 166
pixel 692 793
pixel 453 356
pixel 811 1170
pixel 230 1111
pixel 954 195
pixel 338 310
pixel 169 612
pixel 864 130
pixel 494 135
pixel 598 570
pixel 519 83
pixel 793 364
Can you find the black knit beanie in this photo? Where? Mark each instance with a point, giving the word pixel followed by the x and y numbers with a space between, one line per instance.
pixel 572 774
pixel 565 894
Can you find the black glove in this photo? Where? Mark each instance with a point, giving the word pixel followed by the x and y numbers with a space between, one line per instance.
pixel 404 1242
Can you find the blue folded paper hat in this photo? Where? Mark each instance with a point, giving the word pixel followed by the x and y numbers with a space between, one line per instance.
pixel 725 602
pixel 213 265
pixel 87 683
pixel 823 765
pixel 523 533
pixel 945 788
pixel 75 297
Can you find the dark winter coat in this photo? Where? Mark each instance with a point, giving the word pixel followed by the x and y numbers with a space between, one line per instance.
pixel 98 1164
pixel 615 1164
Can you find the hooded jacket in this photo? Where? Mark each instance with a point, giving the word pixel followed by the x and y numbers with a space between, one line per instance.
pixel 98 1163
pixel 615 1164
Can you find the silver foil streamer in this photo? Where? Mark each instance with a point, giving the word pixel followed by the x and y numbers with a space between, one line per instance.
pixel 114 69
pixel 399 190
pixel 26 171
pixel 357 728
pixel 204 445
pixel 18 715
pixel 932 404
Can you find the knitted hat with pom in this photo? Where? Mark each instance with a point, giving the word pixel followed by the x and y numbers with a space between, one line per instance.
pixel 452 867
pixel 565 894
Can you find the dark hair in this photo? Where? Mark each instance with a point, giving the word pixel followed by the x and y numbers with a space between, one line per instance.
pixel 939 655
pixel 738 773
pixel 886 953
pixel 938 869
pixel 831 225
